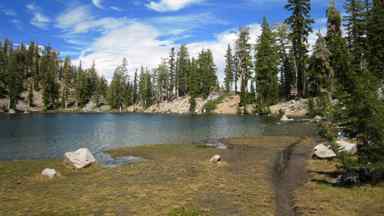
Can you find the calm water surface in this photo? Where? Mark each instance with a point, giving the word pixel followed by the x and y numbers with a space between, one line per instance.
pixel 45 136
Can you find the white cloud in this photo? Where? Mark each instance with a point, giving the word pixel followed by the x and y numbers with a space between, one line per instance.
pixel 136 41
pixel 220 44
pixel 171 5
pixel 98 3
pixel 140 44
pixel 39 19
pixel 80 20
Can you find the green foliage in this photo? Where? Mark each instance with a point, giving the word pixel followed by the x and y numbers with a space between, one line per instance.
pixel 300 24
pixel 266 67
pixel 244 70
pixel 229 70
pixel 375 39
pixel 211 105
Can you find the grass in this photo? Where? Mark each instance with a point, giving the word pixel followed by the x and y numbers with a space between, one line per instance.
pixel 319 197
pixel 175 180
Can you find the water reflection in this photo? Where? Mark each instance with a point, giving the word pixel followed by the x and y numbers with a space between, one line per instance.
pixel 42 136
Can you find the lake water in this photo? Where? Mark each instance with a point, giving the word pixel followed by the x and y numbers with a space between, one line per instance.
pixel 46 136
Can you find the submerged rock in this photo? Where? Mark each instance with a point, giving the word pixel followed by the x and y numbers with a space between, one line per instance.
pixel 323 151
pixel 79 159
pixel 284 118
pixel 215 159
pixel 50 173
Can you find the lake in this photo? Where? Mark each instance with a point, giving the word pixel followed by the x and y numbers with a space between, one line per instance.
pixel 48 136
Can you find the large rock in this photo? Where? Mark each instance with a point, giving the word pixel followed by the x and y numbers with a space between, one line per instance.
pixel 323 151
pixel 215 159
pixel 90 107
pixel 79 159
pixel 50 173
pixel 347 146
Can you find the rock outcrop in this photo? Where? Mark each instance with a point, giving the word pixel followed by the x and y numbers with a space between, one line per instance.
pixel 293 108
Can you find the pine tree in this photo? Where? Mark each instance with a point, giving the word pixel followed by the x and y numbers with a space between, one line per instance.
pixel 321 74
pixel 50 86
pixel 355 25
pixel 229 67
pixel 336 44
pixel 116 93
pixel 163 81
pixel 135 88
pixel 182 72
pixel 375 39
pixel 207 73
pixel 300 24
pixel 266 67
pixel 243 53
pixel 67 82
pixel 285 69
pixel 172 74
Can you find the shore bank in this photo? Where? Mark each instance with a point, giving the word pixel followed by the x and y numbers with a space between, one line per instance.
pixel 171 177
pixel 215 104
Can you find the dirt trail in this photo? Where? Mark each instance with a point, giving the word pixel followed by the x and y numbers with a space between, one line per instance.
pixel 289 173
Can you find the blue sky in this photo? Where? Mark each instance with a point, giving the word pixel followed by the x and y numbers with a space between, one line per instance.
pixel 105 31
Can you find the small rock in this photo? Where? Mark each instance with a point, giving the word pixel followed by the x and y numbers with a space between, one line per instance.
pixel 215 159
pixel 317 119
pixel 323 151
pixel 12 111
pixel 79 159
pixel 284 118
pixel 50 173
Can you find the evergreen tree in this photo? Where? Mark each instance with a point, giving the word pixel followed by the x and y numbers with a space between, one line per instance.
pixel 116 93
pixel 375 39
pixel 172 74
pixel 321 74
pixel 336 44
pixel 49 70
pixel 182 71
pixel 285 69
pixel 135 88
pixel 355 25
pixel 243 53
pixel 266 67
pixel 229 68
pixel 163 81
pixel 67 82
pixel 207 73
pixel 300 24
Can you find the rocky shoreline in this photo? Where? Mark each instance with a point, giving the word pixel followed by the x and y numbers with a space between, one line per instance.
pixel 223 104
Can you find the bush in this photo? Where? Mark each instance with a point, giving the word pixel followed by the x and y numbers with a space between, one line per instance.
pixel 211 105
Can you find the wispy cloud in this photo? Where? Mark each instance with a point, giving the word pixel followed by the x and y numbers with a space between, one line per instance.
pixel 39 19
pixel 98 3
pixel 8 12
pixel 171 5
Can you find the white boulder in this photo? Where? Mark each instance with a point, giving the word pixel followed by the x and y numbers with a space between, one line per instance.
pixel 323 151
pixel 80 158
pixel 347 146
pixel 215 159
pixel 12 111
pixel 50 173
pixel 317 119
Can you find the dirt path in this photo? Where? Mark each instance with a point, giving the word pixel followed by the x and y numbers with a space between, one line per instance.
pixel 289 173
